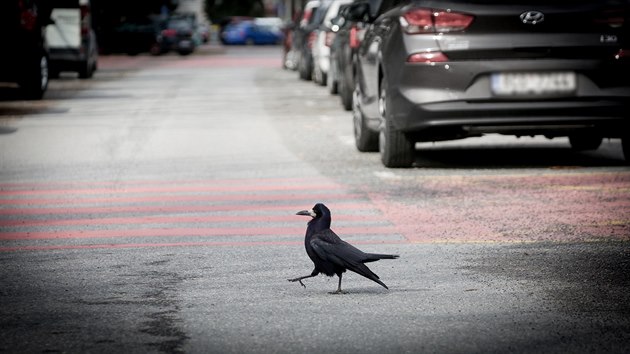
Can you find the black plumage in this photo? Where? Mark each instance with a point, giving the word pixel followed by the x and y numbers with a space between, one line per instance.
pixel 330 254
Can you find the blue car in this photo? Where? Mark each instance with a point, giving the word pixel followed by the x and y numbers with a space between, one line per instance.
pixel 249 32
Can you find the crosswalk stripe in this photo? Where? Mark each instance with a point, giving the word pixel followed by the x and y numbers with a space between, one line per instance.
pixel 171 220
pixel 178 232
pixel 248 212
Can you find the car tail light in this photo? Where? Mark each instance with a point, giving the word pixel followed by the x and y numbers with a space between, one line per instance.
pixel 28 17
pixel 612 18
pixel 623 54
pixel 169 33
pixel 330 36
pixel 85 20
pixel 427 58
pixel 307 16
pixel 354 37
pixel 417 21
pixel 311 39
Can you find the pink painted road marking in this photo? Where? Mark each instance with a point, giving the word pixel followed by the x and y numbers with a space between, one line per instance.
pixel 168 209
pixel 140 220
pixel 174 189
pixel 556 208
pixel 180 244
pixel 210 62
pixel 123 199
pixel 180 232
pixel 117 185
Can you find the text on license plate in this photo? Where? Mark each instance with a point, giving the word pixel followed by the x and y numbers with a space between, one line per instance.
pixel 526 84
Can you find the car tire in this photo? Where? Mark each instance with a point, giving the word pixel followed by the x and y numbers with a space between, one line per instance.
pixel 345 94
pixel 396 150
pixel 35 82
pixel 331 83
pixel 323 78
pixel 85 70
pixel 584 142
pixel 304 70
pixel 366 140
pixel 333 86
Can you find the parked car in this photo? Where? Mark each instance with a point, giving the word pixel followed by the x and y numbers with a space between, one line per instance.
pixel 134 35
pixel 431 71
pixel 24 58
pixel 251 32
pixel 289 50
pixel 303 38
pixel 343 52
pixel 179 34
pixel 71 40
pixel 324 35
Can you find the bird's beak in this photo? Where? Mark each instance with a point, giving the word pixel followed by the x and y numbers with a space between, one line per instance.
pixel 306 213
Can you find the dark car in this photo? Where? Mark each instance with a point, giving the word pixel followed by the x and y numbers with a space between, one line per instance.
pixel 304 37
pixel 343 52
pixel 24 59
pixel 324 35
pixel 179 34
pixel 451 69
pixel 133 36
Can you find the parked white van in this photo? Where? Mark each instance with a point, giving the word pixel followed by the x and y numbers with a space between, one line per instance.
pixel 71 40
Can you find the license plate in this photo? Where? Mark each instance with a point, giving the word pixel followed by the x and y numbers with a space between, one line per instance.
pixel 533 84
pixel 185 44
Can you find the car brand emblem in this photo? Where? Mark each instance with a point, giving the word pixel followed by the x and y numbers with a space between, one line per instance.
pixel 532 17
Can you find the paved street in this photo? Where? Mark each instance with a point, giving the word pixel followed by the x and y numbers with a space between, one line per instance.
pixel 152 209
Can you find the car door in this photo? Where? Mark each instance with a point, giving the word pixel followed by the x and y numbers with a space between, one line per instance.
pixel 369 55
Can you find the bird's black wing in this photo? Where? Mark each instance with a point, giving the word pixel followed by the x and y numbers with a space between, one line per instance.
pixel 329 247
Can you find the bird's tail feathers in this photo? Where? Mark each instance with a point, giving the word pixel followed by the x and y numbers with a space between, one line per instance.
pixel 371 257
pixel 363 270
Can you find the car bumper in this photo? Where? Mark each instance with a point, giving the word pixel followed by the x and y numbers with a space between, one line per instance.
pixel 439 102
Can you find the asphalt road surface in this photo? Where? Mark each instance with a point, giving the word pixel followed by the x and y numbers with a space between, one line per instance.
pixel 151 209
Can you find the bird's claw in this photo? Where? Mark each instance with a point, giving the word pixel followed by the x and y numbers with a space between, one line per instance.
pixel 298 280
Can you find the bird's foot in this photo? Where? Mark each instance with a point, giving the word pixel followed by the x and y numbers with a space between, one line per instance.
pixel 298 280
pixel 337 292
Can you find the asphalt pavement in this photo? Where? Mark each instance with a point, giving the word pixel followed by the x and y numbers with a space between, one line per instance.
pixel 151 209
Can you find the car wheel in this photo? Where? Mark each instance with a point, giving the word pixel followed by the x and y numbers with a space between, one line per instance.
pixel 323 78
pixel 395 148
pixel 85 70
pixel 333 86
pixel 304 70
pixel 35 83
pixel 332 83
pixel 345 94
pixel 365 139
pixel 583 142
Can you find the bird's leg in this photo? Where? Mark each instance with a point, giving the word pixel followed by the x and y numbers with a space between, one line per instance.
pixel 300 279
pixel 339 291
